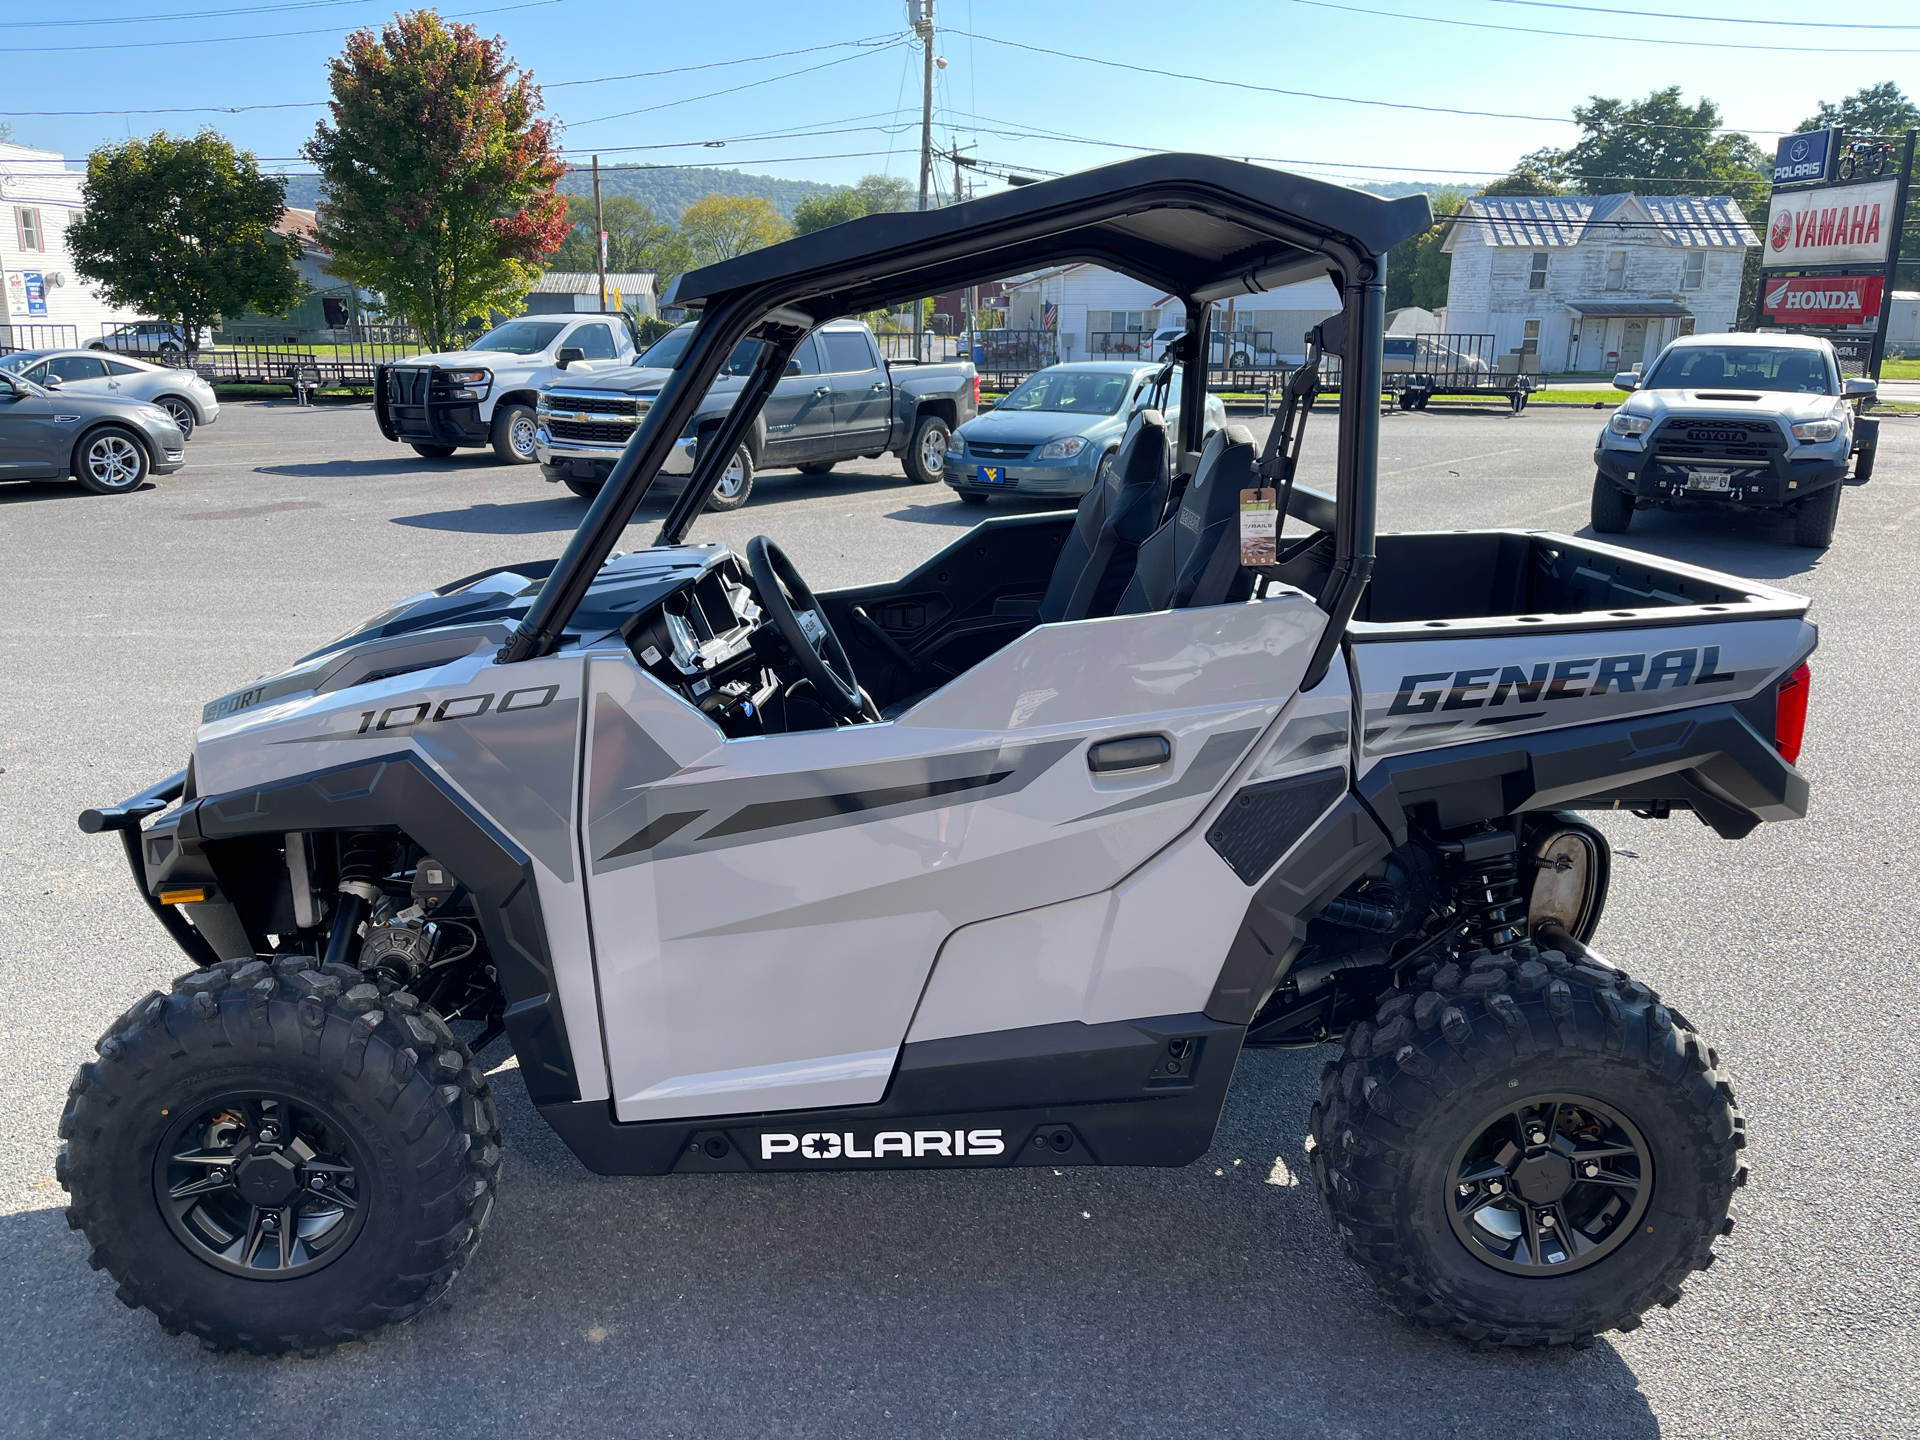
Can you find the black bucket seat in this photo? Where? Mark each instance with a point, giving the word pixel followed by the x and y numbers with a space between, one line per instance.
pixel 1194 559
pixel 1097 558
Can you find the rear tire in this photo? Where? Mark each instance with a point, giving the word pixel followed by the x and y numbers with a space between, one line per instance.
pixel 1815 517
pixel 1863 458
pixel 1612 510
pixel 111 461
pixel 925 460
pixel 237 1058
pixel 433 452
pixel 1421 1098
pixel 512 437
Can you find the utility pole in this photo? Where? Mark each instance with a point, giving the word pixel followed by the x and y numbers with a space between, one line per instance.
pixel 600 230
pixel 921 14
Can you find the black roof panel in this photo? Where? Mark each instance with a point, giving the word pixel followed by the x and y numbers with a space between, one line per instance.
pixel 1196 225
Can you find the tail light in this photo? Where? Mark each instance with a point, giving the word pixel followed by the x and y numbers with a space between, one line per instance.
pixel 1790 714
pixel 976 392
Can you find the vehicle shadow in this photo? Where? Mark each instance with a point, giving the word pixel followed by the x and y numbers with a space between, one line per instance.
pixel 1753 543
pixel 548 515
pixel 1027 1301
pixel 384 465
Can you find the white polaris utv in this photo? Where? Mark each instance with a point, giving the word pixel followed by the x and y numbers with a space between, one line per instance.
pixel 999 863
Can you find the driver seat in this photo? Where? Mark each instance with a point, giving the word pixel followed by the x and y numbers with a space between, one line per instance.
pixel 1194 559
pixel 1115 517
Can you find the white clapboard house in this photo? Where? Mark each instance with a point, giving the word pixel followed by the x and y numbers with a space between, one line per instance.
pixel 1094 313
pixel 1595 282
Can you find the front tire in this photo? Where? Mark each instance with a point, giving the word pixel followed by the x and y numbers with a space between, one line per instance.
pixel 735 483
pixel 1612 510
pixel 925 460
pixel 433 452
pixel 1477 1120
pixel 585 489
pixel 111 461
pixel 181 412
pixel 817 467
pixel 279 1157
pixel 512 436
pixel 1815 517
pixel 972 497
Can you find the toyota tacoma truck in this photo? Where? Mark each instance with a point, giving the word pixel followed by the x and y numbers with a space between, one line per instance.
pixel 1003 861
pixel 838 399
pixel 483 397
pixel 1744 422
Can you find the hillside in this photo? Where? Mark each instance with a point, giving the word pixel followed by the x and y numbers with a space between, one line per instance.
pixel 665 190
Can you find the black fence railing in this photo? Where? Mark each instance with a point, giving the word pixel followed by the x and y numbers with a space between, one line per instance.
pixel 15 337
pixel 349 366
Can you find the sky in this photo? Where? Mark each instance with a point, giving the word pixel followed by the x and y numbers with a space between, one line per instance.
pixel 1018 108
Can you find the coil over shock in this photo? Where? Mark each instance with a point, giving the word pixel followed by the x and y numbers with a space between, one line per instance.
pixel 1487 892
pixel 364 863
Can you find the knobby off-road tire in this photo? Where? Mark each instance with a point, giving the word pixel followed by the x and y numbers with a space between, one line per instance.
pixel 1399 1112
pixel 408 1114
pixel 1815 517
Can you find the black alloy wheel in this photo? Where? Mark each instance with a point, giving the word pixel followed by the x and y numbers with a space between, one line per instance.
pixel 1550 1185
pixel 260 1185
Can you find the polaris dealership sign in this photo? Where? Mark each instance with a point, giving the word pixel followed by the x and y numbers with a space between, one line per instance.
pixel 1833 225
pixel 1803 159
pixel 1822 299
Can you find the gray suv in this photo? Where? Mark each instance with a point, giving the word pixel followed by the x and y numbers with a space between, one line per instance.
pixel 109 445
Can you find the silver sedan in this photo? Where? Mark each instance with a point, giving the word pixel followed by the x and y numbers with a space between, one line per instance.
pixel 181 393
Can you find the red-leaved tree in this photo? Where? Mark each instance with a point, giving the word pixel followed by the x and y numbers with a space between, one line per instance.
pixel 437 173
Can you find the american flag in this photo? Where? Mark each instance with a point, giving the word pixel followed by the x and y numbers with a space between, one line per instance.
pixel 1049 315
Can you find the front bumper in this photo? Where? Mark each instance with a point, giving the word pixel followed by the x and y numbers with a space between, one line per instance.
pixel 411 404
pixel 1779 480
pixel 587 460
pixel 1053 479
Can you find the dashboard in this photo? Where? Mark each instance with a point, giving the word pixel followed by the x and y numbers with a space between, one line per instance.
pixel 708 639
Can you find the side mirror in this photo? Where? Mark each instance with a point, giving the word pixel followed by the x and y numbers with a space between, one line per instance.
pixel 1626 380
pixel 793 367
pixel 567 354
pixel 1859 389
pixel 53 382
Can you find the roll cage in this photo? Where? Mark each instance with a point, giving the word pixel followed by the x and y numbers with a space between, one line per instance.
pixel 1202 227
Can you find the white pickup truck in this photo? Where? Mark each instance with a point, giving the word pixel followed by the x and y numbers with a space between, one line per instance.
pixel 485 394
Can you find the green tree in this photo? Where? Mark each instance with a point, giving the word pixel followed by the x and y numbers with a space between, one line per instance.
pixel 1882 109
pixel 887 193
pixel 636 240
pixel 1525 179
pixel 817 212
pixel 437 173
pixel 1418 269
pixel 182 230
pixel 720 227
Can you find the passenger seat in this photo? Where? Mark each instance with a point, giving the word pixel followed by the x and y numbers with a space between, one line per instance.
pixel 1097 558
pixel 1194 559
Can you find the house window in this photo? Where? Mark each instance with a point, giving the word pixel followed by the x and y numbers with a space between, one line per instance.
pixel 1696 270
pixel 1531 344
pixel 27 225
pixel 1537 280
pixel 1616 270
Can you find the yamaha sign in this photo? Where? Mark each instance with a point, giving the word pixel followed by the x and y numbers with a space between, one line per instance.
pixel 1804 159
pixel 1832 225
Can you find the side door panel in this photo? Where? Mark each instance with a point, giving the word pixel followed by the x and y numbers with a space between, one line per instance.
pixel 766 911
pixel 862 393
pixel 799 415
pixel 32 442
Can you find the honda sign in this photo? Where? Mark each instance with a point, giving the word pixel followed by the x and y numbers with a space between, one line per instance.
pixel 1822 299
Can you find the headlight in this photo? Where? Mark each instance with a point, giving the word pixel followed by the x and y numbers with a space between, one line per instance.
pixel 466 377
pixel 1624 424
pixel 1816 430
pixel 956 445
pixel 1062 449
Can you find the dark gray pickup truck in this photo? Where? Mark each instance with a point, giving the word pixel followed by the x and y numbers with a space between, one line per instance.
pixel 839 400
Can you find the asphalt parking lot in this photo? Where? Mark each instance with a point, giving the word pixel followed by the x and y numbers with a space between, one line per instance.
pixel 1203 1301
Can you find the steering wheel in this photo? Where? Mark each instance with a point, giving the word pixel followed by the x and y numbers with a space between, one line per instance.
pixel 801 623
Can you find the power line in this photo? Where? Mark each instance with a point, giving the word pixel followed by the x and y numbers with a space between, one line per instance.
pixel 1590 35
pixel 869 40
pixel 1344 99
pixel 276 35
pixel 184 15
pixel 1708 19
pixel 735 89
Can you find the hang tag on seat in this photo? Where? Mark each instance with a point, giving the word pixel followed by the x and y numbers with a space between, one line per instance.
pixel 1259 527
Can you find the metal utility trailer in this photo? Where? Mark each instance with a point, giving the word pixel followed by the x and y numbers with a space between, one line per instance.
pixel 1461 365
